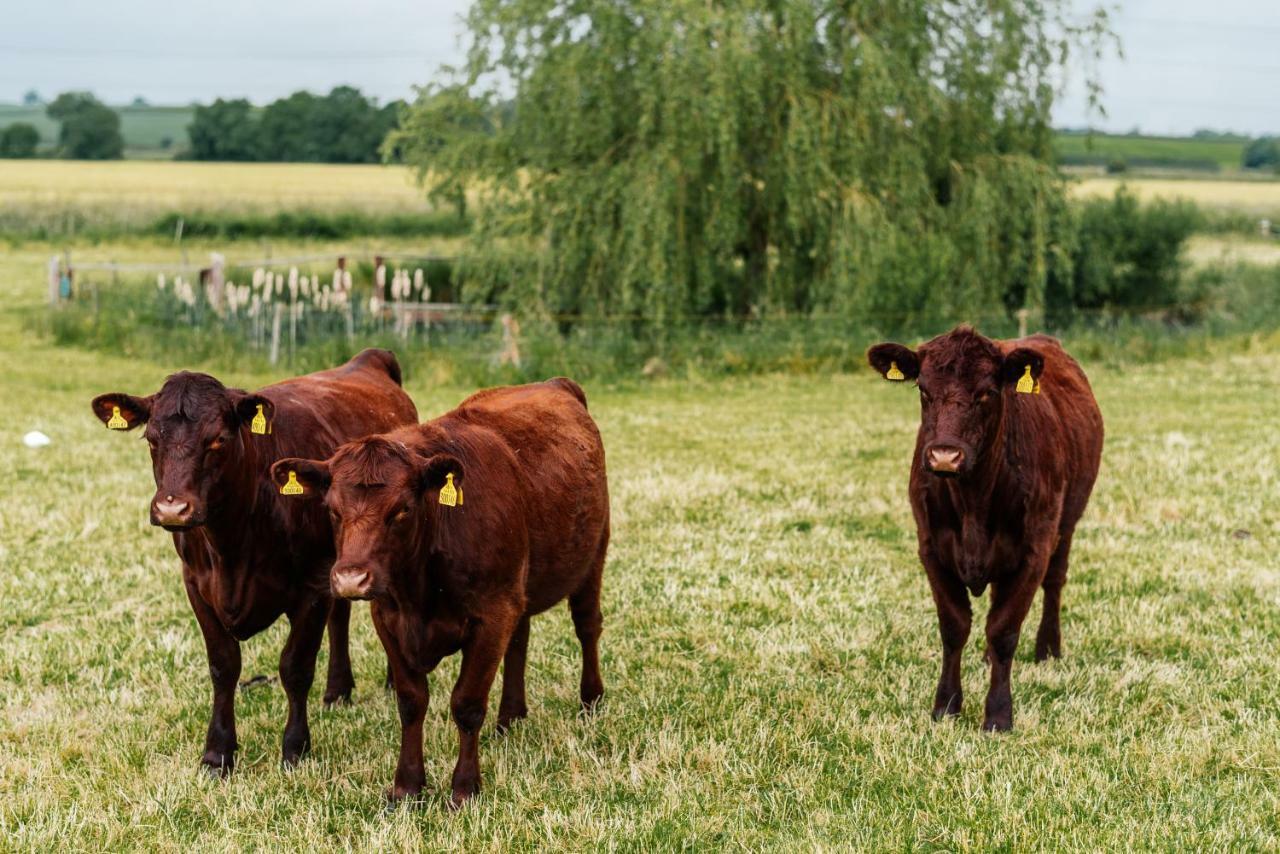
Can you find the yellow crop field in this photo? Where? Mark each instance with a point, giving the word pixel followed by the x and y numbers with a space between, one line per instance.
pixel 207 186
pixel 1257 197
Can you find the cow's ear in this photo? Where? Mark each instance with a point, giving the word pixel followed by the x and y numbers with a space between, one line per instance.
pixel 121 411
pixel 894 362
pixel 293 476
pixel 434 471
pixel 254 410
pixel 1015 365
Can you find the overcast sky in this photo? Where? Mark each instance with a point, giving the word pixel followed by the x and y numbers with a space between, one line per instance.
pixel 1188 63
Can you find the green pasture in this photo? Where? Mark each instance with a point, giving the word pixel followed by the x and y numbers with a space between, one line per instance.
pixel 770 648
pixel 1167 151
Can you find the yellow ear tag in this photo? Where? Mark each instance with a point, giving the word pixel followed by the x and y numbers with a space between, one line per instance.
pixel 116 421
pixel 1036 390
pixel 894 373
pixel 292 487
pixel 450 495
pixel 259 423
pixel 1026 385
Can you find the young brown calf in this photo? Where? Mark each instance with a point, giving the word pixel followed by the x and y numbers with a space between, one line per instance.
pixel 1007 452
pixel 248 553
pixel 460 530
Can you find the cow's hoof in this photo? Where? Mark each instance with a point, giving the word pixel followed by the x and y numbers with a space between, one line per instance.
pixel 215 770
pixel 402 797
pixel 998 723
pixel 337 698
pixel 947 707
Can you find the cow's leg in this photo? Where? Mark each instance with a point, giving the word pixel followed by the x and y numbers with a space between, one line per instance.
pixel 470 699
pixel 1010 601
pixel 298 671
pixel 412 698
pixel 223 651
pixel 340 682
pixel 584 605
pixel 1049 636
pixel 513 705
pixel 955 616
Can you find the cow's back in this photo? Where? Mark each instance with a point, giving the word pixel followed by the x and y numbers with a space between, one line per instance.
pixel 317 412
pixel 556 449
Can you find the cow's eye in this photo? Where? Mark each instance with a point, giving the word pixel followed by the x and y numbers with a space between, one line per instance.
pixel 400 515
pixel 985 397
pixel 215 444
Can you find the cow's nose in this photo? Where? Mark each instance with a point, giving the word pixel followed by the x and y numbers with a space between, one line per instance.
pixel 172 512
pixel 351 582
pixel 945 460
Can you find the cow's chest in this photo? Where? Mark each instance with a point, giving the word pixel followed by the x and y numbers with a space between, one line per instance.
pixel 245 595
pixel 978 547
pixel 425 638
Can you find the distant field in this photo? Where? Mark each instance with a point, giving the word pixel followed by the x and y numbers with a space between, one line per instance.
pixel 1261 198
pixel 144 128
pixel 173 186
pixel 1150 150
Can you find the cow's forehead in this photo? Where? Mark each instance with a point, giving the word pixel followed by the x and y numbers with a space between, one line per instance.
pixel 191 397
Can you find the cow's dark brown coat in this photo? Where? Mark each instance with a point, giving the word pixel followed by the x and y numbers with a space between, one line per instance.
pixel 529 529
pixel 250 554
pixel 998 482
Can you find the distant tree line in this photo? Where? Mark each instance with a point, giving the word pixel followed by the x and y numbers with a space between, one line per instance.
pixel 87 129
pixel 344 126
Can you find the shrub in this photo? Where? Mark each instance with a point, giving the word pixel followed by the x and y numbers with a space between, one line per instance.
pixel 19 140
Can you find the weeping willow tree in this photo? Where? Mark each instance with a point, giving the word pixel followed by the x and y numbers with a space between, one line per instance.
pixel 666 158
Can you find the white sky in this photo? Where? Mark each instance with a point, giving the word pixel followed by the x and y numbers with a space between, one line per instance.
pixel 1189 63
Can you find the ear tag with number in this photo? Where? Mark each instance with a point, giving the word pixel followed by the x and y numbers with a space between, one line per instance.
pixel 1026 385
pixel 894 373
pixel 292 487
pixel 259 423
pixel 450 495
pixel 116 421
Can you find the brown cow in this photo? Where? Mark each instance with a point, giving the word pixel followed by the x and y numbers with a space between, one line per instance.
pixel 248 553
pixel 449 570
pixel 1008 449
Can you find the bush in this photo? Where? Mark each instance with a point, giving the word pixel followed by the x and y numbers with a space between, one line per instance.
pixel 1126 257
pixel 1262 153
pixel 19 141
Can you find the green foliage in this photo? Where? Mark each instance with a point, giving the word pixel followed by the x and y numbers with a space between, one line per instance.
pixel 1127 256
pixel 677 159
pixel 1262 153
pixel 341 127
pixel 19 140
pixel 89 130
pixel 224 130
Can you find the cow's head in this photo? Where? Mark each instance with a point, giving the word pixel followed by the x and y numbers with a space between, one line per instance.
pixel 382 498
pixel 965 383
pixel 195 428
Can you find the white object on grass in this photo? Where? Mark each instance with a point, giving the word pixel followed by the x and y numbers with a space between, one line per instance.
pixel 36 439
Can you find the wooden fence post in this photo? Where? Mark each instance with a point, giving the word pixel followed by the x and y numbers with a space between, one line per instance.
pixel 1022 322
pixel 54 280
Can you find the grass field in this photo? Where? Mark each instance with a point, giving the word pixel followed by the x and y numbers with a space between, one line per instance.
pixel 770 649
pixel 1171 150
pixel 144 128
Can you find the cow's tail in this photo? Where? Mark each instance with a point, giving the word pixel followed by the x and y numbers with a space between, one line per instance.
pixel 384 360
pixel 571 387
